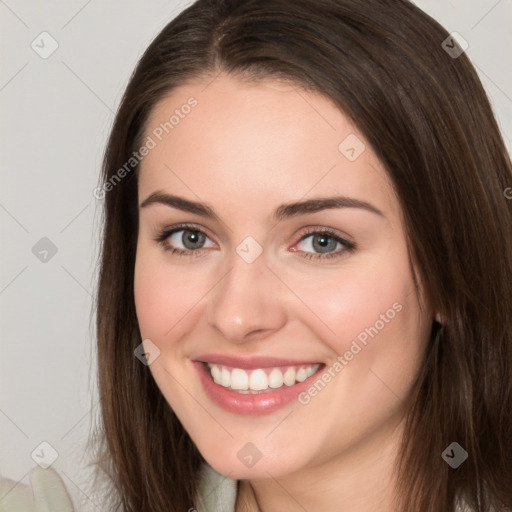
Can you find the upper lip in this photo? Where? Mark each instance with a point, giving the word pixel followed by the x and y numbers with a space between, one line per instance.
pixel 251 363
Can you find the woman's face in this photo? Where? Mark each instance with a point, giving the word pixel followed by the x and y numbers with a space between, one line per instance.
pixel 292 278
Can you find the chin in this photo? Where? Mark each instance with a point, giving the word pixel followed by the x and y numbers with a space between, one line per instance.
pixel 244 464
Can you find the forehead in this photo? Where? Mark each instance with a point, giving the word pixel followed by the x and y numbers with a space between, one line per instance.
pixel 268 140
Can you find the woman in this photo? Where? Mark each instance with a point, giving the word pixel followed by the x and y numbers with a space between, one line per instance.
pixel 305 287
pixel 251 105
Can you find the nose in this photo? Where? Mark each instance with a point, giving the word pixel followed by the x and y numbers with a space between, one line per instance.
pixel 247 304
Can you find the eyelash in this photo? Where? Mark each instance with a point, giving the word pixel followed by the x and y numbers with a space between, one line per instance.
pixel 163 235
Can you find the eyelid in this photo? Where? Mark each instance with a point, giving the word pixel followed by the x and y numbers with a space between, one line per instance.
pixel 164 233
pixel 309 230
pixel 188 226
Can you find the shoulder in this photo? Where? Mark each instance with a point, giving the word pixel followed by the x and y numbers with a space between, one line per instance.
pixel 46 492
pixel 217 493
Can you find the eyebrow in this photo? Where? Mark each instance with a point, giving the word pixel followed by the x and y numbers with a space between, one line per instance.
pixel 283 212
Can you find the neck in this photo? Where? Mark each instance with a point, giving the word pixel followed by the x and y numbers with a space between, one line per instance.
pixel 361 479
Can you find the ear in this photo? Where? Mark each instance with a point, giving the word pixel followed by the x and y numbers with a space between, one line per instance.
pixel 438 318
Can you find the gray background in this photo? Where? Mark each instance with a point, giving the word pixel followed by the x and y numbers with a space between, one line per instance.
pixel 56 114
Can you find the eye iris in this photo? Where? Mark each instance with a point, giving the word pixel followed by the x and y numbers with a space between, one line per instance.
pixel 194 237
pixel 324 242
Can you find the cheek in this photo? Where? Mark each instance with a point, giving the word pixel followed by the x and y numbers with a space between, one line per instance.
pixel 152 298
pixel 368 301
pixel 163 294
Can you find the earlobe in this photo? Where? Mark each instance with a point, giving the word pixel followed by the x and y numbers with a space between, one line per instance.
pixel 438 318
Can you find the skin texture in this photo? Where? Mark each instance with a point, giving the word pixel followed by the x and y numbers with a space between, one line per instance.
pixel 244 150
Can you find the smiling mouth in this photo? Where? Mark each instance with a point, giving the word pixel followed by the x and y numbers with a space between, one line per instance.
pixel 260 380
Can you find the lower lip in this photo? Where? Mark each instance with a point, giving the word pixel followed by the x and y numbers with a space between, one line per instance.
pixel 250 404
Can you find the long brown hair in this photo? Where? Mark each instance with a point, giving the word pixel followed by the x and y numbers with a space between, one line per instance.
pixel 427 117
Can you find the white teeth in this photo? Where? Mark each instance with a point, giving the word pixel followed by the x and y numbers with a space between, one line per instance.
pixel 258 380
pixel 239 379
pixel 216 374
pixel 275 378
pixel 301 375
pixel 289 377
pixel 261 379
pixel 225 378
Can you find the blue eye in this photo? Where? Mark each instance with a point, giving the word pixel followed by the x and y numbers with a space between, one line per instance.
pixel 325 243
pixel 193 240
pixel 190 238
